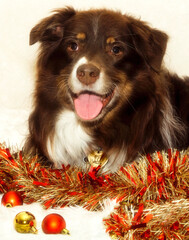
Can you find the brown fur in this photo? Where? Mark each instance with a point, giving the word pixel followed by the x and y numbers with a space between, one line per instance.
pixel 151 112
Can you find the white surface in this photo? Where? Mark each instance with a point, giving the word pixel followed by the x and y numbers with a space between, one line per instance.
pixel 17 74
pixel 81 223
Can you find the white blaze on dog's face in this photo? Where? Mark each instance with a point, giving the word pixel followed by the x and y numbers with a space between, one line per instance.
pixel 87 82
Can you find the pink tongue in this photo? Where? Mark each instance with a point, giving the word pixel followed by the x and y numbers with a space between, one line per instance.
pixel 88 106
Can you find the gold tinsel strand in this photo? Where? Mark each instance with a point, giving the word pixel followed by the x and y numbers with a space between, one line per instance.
pixel 169 220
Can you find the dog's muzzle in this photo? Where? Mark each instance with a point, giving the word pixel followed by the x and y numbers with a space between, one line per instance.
pixel 88 103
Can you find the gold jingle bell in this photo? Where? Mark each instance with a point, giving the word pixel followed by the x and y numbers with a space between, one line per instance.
pixel 97 158
pixel 25 222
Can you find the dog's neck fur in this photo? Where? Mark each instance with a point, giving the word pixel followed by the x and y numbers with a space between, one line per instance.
pixel 71 142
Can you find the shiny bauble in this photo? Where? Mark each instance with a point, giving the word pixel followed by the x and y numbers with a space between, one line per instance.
pixel 25 222
pixel 12 199
pixel 54 224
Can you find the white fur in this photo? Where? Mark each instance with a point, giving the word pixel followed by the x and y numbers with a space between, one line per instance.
pixel 170 125
pixel 70 142
pixel 116 159
pixel 77 86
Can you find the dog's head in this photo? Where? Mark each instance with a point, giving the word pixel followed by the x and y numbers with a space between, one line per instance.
pixel 93 59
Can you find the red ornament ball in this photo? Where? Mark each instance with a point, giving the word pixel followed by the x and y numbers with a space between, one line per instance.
pixel 53 224
pixel 11 199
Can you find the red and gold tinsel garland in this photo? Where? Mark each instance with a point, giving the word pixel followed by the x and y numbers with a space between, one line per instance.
pixel 152 193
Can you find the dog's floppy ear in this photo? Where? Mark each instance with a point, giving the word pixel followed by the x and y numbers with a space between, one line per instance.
pixel 51 28
pixel 149 43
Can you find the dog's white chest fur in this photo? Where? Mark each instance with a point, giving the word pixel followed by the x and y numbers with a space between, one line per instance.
pixel 70 142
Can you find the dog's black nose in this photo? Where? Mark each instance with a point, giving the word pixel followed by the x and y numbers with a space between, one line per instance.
pixel 88 74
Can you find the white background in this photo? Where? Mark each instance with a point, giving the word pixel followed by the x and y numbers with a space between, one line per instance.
pixel 17 74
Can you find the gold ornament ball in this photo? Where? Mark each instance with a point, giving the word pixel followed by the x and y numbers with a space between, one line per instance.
pixel 25 222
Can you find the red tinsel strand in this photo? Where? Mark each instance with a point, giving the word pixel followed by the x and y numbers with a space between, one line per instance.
pixel 102 181
pixel 115 224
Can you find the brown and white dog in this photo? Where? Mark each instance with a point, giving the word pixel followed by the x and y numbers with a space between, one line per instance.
pixel 100 83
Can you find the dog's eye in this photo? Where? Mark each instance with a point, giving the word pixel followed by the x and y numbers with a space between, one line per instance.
pixel 73 47
pixel 116 50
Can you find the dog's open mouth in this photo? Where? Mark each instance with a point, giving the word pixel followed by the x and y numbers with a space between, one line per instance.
pixel 89 105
